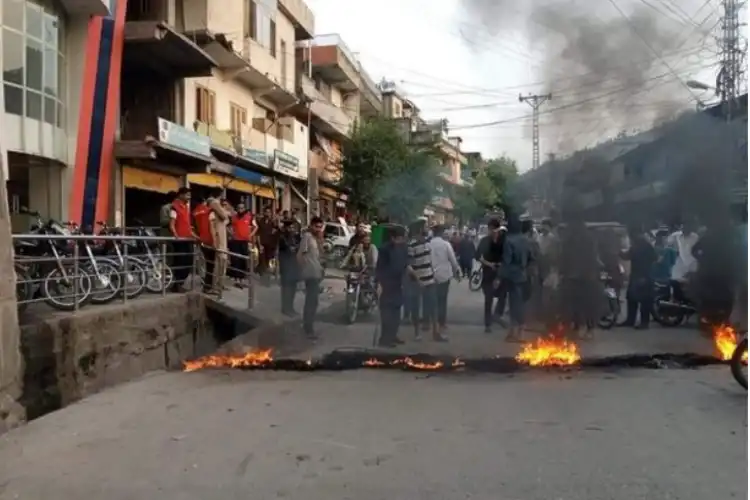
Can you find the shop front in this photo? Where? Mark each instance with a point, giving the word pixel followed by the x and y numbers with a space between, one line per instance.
pixel 154 166
pixel 145 191
pixel 239 185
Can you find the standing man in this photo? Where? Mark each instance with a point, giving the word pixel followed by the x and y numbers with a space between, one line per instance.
pixel 445 266
pixel 165 214
pixel 389 273
pixel 219 219
pixel 640 291
pixel 288 267
pixel 466 251
pixel 514 272
pixel 422 281
pixel 180 226
pixel 683 241
pixel 490 254
pixel 202 218
pixel 243 232
pixel 268 233
pixel 311 272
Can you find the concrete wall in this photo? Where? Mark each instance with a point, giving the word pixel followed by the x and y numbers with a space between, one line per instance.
pixel 11 413
pixel 71 356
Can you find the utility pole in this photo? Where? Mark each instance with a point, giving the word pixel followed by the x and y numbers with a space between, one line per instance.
pixel 731 72
pixel 535 101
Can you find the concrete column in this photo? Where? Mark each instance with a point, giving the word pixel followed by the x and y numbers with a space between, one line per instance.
pixel 11 376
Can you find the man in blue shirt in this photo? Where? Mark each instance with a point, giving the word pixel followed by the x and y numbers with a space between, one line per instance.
pixel 390 271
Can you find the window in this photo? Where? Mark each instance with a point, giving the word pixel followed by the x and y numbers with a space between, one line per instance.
pixel 33 61
pixel 251 13
pixel 272 40
pixel 282 48
pixel 261 25
pixel 238 118
pixel 205 105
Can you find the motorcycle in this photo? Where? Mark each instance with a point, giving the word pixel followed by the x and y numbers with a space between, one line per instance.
pixel 669 310
pixel 738 362
pixel 360 295
pixel 159 275
pixel 48 262
pixel 130 268
pixel 613 301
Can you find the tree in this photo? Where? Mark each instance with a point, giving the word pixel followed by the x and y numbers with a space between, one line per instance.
pixel 491 189
pixel 386 175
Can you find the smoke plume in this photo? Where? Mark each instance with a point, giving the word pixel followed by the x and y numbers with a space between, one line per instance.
pixel 600 66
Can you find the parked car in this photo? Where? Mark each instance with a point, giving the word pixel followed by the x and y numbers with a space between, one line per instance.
pixel 337 236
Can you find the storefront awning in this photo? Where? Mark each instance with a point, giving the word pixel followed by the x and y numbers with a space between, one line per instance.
pixel 153 150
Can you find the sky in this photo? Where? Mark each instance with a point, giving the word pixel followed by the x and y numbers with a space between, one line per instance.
pixel 465 68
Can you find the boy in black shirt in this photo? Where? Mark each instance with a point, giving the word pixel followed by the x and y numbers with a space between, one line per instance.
pixel 389 273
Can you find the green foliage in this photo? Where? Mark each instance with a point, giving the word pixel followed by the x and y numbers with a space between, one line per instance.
pixel 387 176
pixel 492 182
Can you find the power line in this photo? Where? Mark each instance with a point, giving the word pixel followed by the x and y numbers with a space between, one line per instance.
pixel 535 101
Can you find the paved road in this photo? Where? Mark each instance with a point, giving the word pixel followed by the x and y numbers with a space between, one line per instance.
pixel 467 337
pixel 368 435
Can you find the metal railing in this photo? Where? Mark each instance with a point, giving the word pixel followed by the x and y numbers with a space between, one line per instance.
pixel 68 272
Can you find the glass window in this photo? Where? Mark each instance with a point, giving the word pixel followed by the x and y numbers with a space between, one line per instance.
pixel 60 115
pixel 12 57
pixel 34 21
pixel 13 100
pixel 61 77
pixel 13 14
pixel 50 30
pixel 33 105
pixel 50 71
pixel 34 64
pixel 50 106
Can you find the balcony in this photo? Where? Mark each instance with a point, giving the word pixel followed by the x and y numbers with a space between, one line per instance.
pixel 88 7
pixel 333 61
pixel 371 100
pixel 329 119
pixel 155 47
pixel 301 16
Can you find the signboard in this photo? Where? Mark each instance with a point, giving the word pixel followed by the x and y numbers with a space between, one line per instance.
pixel 182 138
pixel 256 156
pixel 286 163
pixel 251 177
pixel 220 139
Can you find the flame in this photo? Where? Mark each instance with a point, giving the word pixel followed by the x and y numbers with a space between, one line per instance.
pixel 726 340
pixel 251 358
pixel 552 351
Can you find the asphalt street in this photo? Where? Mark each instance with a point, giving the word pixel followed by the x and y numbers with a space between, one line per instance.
pixel 367 435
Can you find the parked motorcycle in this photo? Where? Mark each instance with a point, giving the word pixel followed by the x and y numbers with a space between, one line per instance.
pixel 159 275
pixel 738 362
pixel 131 269
pixel 106 281
pixel 613 303
pixel 48 263
pixel 670 311
pixel 360 295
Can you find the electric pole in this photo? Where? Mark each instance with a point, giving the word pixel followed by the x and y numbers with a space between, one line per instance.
pixel 731 71
pixel 535 101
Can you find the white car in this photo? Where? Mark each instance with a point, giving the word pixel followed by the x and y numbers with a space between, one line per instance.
pixel 337 236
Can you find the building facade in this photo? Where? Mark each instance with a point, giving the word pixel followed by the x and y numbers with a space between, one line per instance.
pixel 45 46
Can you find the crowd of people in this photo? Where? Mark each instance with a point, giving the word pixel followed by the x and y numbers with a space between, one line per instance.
pixel 552 275
pixel 546 275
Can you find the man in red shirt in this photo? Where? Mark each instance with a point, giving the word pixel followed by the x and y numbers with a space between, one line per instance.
pixel 202 217
pixel 243 233
pixel 180 226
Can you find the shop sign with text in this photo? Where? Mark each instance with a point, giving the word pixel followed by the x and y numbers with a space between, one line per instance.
pixel 183 138
pixel 256 156
pixel 286 164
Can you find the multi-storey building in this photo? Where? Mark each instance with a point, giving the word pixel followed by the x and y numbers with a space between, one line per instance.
pixel 235 114
pixel 338 92
pixel 46 45
pixel 420 131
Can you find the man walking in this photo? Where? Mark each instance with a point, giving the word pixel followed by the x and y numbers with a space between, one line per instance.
pixel 311 272
pixel 389 273
pixel 490 255
pixel 422 281
pixel 640 291
pixel 445 266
